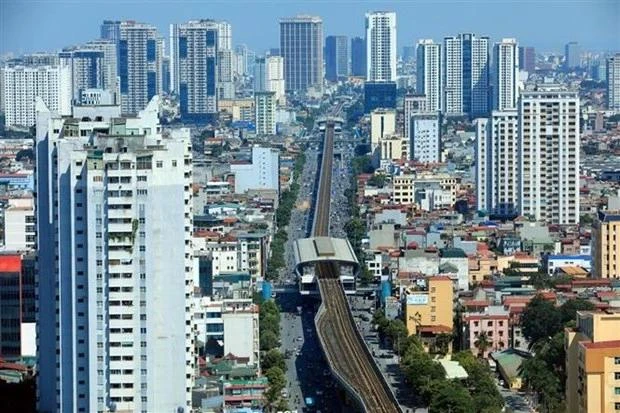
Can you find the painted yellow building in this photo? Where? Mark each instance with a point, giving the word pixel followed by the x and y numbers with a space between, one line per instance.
pixel 429 306
pixel 593 363
pixel 394 148
pixel 606 248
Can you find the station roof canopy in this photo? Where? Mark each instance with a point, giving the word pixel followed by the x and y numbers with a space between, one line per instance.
pixel 308 250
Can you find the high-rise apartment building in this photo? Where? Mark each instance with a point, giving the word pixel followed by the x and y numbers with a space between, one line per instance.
pixel 358 57
pixel 424 137
pixel 114 320
pixel 497 163
pixel 428 72
pixel 262 172
pixel 19 224
pixel 549 143
pixel 606 248
pixel 225 57
pixel 140 57
pixel 505 75
pixel 23 84
pixel 613 82
pixel 336 58
pixel 111 30
pixel 527 59
pixel 269 76
pixel 110 64
pixel 381 46
pixel 572 55
pixel 412 104
pixel 301 46
pixel 465 74
pixel 194 62
pixel 593 363
pixel 87 69
pixel 382 124
pixel 260 75
pixel 265 107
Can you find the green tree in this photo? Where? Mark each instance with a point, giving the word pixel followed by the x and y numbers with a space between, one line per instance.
pixel 273 358
pixel 396 331
pixel 537 377
pixel 442 343
pixel 451 396
pixel 568 310
pixel 268 340
pixel 540 320
pixel 482 343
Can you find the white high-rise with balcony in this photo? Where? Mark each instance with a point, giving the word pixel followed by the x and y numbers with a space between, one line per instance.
pixel 265 106
pixel 21 85
pixel 549 155
pixel 429 73
pixel 506 75
pixel 114 211
pixel 381 46
pixel 497 163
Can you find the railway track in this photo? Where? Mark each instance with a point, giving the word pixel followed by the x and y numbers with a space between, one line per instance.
pixel 348 357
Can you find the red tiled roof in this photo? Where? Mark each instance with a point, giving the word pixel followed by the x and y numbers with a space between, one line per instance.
pixel 602 344
pixel 475 303
pixel 10 263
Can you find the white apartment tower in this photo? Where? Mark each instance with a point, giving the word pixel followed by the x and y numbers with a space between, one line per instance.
pixel 425 137
pixel 140 65
pixel 412 104
pixel 506 75
pixel 225 56
pixel 613 82
pixel 265 107
pixel 381 46
pixel 194 63
pixel 114 319
pixel 263 172
pixel 497 163
pixel 274 72
pixel 87 69
pixel 549 155
pixel 21 85
pixel 466 75
pixel 429 73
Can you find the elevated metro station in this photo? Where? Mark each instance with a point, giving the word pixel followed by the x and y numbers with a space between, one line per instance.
pixel 310 251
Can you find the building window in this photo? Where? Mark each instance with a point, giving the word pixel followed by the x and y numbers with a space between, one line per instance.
pixel 617 375
pixel 617 391
pixel 159 164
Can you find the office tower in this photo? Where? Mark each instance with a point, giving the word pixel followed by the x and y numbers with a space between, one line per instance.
pixel 379 95
pixel 613 82
pixel 260 75
pixel 110 64
pixel 572 55
pixel 140 65
pixel 275 77
pixel 381 46
pixel 505 75
pixel 382 124
pixel 497 164
pixel 428 73
pixel 527 59
pixel 194 62
pixel 466 75
pixel 358 57
pixel 265 106
pixel 261 173
pixel 549 155
pixel 22 84
pixel 87 69
pixel 593 362
pixel 301 46
pixel 336 58
pixel 114 319
pixel 606 248
pixel 424 137
pixel 17 305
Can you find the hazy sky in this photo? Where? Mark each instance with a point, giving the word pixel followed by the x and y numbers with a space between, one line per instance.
pixel 41 25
